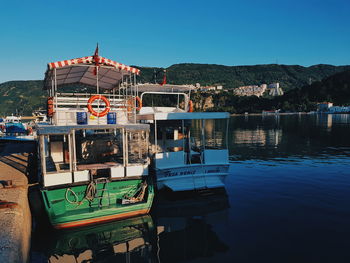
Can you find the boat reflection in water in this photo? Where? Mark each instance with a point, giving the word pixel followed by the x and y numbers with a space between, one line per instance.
pixel 130 240
pixel 185 227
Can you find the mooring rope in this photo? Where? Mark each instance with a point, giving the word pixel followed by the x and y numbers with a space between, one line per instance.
pixel 90 193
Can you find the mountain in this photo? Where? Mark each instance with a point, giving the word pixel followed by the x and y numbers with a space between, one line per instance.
pixel 25 96
pixel 289 76
pixel 335 88
pixel 21 96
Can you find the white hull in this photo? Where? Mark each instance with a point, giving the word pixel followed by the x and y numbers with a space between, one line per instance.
pixel 192 177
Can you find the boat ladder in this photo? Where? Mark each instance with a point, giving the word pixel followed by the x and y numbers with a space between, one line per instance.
pixel 104 181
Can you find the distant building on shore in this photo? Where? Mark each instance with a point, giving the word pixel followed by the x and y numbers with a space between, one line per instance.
pixel 274 89
pixel 339 109
pixel 252 90
pixel 328 107
pixel 209 88
pixel 324 106
pixel 255 90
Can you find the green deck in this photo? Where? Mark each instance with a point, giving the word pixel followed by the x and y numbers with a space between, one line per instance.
pixel 105 206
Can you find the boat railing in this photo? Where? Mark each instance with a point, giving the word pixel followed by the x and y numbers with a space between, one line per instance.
pixel 68 106
pixel 80 100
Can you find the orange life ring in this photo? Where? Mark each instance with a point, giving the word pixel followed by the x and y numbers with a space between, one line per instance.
pixel 95 113
pixel 50 106
pixel 139 102
pixel 190 106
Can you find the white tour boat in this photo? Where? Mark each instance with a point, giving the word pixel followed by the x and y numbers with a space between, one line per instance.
pixel 189 149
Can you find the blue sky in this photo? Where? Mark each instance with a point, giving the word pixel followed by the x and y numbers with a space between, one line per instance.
pixel 162 33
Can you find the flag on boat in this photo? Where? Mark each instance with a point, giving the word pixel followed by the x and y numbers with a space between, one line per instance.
pixel 96 60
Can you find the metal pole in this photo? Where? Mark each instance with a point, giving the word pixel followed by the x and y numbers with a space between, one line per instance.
pixel 227 126
pixel 127 149
pixel 124 157
pixel 55 93
pixel 43 156
pixel 203 139
pixel 155 135
pixel 74 152
pixel 70 152
pixel 97 87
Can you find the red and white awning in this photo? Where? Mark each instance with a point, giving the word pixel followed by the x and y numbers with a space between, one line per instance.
pixel 90 60
pixel 87 70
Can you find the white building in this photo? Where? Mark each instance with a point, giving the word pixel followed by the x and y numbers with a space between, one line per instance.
pixel 275 90
pixel 339 109
pixel 324 106
pixel 252 90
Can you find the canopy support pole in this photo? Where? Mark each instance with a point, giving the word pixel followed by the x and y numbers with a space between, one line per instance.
pixel 97 87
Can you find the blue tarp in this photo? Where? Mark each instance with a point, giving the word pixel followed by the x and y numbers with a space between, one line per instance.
pixel 15 128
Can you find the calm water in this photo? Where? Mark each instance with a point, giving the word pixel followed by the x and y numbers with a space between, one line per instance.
pixel 288 200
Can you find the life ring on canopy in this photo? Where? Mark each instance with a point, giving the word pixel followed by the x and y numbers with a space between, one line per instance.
pixel 50 106
pixel 190 106
pixel 139 103
pixel 101 113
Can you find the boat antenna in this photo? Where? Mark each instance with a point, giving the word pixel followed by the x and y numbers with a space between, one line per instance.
pixel 155 76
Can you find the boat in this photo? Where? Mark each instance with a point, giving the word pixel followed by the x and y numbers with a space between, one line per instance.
pixel 40 116
pixel 188 149
pixel 93 158
pixel 12 129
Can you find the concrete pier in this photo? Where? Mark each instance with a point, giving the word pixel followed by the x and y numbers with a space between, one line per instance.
pixel 15 216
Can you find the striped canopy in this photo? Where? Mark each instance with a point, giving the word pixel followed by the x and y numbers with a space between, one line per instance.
pixel 83 70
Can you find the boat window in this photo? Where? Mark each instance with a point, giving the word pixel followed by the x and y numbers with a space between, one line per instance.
pixel 99 146
pixel 215 134
pixel 196 138
pixel 56 153
pixel 137 146
pixel 171 136
pixel 163 100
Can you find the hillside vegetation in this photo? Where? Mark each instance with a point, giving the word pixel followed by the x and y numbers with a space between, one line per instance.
pixel 21 96
pixel 25 96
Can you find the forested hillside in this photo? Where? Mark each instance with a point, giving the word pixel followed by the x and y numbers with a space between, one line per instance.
pixel 25 96
pixel 289 77
pixel 21 96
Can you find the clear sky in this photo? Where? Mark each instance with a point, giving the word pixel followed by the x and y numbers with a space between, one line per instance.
pixel 162 33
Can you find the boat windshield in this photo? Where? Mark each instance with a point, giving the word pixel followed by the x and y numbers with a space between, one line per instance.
pixel 99 146
pixel 137 142
pixel 182 135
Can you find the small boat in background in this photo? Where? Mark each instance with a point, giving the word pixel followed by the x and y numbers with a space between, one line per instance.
pixel 12 129
pixel 40 117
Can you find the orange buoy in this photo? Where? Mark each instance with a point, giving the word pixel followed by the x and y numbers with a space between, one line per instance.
pixel 50 107
pixel 95 113
pixel 139 102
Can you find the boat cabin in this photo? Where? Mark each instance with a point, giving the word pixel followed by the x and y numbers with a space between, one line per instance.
pixel 82 153
pixel 179 139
